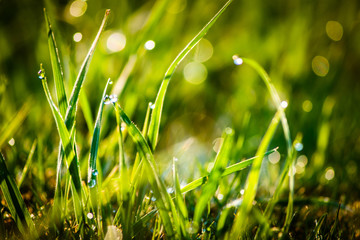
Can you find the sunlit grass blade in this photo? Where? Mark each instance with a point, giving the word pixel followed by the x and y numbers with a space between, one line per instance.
pixel 253 179
pixel 220 163
pixel 229 170
pixel 15 202
pixel 8 129
pixel 315 233
pixel 67 143
pixel 158 187
pixel 143 221
pixel 56 67
pixel 27 164
pixel 159 102
pixel 71 111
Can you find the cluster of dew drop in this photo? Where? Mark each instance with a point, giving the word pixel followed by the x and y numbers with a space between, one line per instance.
pixel 92 181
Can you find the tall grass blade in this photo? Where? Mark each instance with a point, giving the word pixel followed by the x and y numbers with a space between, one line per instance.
pixel 162 197
pixel 56 67
pixel 16 203
pixel 253 179
pixel 229 170
pixel 159 102
pixel 27 164
pixel 218 169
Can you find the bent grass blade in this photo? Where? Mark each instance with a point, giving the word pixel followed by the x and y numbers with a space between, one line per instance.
pixel 159 102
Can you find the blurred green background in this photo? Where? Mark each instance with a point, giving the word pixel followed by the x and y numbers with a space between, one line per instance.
pixel 310 49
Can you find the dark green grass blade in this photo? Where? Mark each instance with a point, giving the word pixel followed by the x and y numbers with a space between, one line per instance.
pixel 162 197
pixel 56 67
pixel 229 170
pixel 212 184
pixel 141 223
pixel 159 102
pixel 27 164
pixel 252 180
pixel 92 171
pixel 15 202
pixel 316 232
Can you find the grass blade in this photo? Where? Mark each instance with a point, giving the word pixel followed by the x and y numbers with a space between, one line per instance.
pixel 15 202
pixel 220 163
pixel 229 170
pixel 253 179
pixel 158 187
pixel 27 164
pixel 56 67
pixel 159 102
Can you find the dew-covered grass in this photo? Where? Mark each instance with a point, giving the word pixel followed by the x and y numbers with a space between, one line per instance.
pixel 179 120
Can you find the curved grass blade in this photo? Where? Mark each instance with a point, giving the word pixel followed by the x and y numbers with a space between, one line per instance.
pixel 162 197
pixel 27 164
pixel 212 184
pixel 229 170
pixel 56 67
pixel 253 179
pixel 16 204
pixel 159 102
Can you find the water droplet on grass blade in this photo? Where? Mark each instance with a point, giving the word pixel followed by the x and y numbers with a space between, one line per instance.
pixel 110 99
pixel 153 199
pixel 90 215
pixel 299 147
pixel 95 172
pixel 152 105
pixel 41 74
pixel 170 190
pixel 237 60
pixel 92 183
pixel 284 104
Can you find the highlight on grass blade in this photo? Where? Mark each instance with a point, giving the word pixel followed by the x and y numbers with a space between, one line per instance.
pixel 159 102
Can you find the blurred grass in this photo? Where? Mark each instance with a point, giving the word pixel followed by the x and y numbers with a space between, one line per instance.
pixel 284 37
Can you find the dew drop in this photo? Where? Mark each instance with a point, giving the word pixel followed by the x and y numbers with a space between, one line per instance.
pixel 110 82
pixel 284 104
pixel 41 74
pixel 237 60
pixel 299 147
pixel 152 105
pixel 175 159
pixel 95 172
pixel 170 190
pixel 110 99
pixel 92 183
pixel 153 199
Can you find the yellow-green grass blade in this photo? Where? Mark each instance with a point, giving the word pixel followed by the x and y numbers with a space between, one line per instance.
pixel 159 102
pixel 218 169
pixel 229 170
pixel 14 124
pixel 68 148
pixel 56 67
pixel 27 164
pixel 252 181
pixel 162 197
pixel 15 202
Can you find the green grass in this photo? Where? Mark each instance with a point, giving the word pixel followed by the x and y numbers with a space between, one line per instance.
pixel 145 170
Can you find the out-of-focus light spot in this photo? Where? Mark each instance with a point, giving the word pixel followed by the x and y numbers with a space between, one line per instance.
pixel 320 66
pixel 176 6
pixel 116 42
pixel 195 73
pixel 217 144
pixel 204 51
pixel 284 104
pixel 274 157
pixel 334 30
pixel 90 215
pixel 301 162
pixel 351 168
pixel 242 191
pixel 293 172
pixel 12 142
pixel 210 166
pixel 77 37
pixel 220 196
pixel 149 45
pixel 78 8
pixel 298 146
pixel 237 60
pixel 329 173
pixel 307 106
